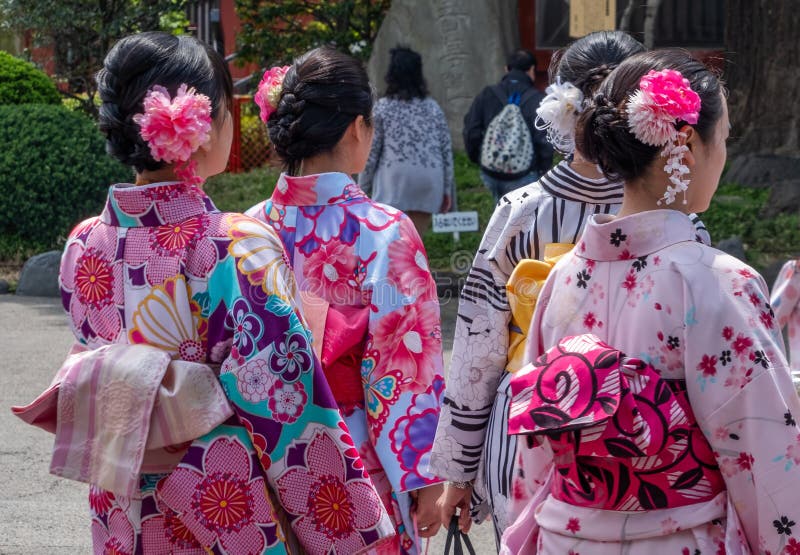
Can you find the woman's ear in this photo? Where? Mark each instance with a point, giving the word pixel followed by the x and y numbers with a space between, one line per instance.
pixel 216 126
pixel 361 129
pixel 687 136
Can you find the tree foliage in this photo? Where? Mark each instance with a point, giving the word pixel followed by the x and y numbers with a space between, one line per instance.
pixel 80 33
pixel 279 30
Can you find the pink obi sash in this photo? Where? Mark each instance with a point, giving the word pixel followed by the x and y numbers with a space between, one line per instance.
pixel 120 411
pixel 623 438
pixel 342 350
pixel 340 337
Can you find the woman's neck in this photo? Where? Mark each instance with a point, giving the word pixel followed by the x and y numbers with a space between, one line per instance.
pixel 583 167
pixel 324 163
pixel 641 197
pixel 161 175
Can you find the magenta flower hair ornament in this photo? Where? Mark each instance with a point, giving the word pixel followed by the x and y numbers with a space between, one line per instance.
pixel 663 99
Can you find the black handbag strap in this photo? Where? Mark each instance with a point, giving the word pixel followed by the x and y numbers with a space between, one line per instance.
pixel 455 538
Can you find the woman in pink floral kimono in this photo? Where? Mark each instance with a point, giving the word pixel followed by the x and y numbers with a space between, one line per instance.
pixel 161 266
pixel 673 427
pixel 362 273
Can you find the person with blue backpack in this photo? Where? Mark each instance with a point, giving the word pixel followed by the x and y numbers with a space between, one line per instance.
pixel 499 130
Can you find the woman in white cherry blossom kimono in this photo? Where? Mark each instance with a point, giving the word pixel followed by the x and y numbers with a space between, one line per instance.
pixel 785 301
pixel 693 445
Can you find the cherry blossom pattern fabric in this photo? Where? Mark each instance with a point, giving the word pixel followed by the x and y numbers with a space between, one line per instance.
pixel 354 252
pixel 644 285
pixel 162 266
pixel 785 301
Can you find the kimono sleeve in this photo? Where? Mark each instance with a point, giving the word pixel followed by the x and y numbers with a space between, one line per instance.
pixel 742 395
pixel 281 397
pixel 480 352
pixel 402 365
pixel 786 293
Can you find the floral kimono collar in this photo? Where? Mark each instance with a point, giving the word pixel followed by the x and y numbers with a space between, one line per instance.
pixel 608 237
pixel 315 190
pixel 155 204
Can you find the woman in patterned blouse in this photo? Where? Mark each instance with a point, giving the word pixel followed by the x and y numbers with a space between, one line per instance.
pixel 410 165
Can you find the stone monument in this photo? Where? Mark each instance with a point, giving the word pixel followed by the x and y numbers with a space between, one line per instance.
pixel 463 44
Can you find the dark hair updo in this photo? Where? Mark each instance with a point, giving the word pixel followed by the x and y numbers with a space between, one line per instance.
pixel 404 78
pixel 323 92
pixel 589 60
pixel 138 62
pixel 603 135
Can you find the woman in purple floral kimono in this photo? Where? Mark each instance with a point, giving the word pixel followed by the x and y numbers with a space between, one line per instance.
pixel 363 277
pixel 672 417
pixel 161 266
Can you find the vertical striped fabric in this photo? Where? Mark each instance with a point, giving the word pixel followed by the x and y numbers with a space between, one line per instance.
pixel 552 210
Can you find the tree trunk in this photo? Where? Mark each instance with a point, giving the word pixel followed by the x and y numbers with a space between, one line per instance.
pixel 763 75
pixel 650 19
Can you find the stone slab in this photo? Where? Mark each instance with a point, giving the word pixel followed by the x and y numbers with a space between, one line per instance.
pixel 39 276
pixel 463 44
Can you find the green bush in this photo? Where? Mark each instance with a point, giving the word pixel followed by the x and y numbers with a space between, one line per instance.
pixel 54 171
pixel 737 211
pixel 236 192
pixel 22 83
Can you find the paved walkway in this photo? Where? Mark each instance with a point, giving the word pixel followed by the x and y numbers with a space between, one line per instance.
pixel 39 513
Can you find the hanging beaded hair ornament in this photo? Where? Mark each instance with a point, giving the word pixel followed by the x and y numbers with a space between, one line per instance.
pixel 269 91
pixel 665 98
pixel 174 128
pixel 558 113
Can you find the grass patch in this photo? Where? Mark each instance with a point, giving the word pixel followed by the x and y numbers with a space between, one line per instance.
pixel 471 194
pixel 236 192
pixel 736 211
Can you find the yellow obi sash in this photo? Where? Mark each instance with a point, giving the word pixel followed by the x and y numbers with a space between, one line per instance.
pixel 522 290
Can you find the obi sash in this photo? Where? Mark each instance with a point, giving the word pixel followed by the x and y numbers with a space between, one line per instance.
pixel 623 438
pixel 339 339
pixel 120 411
pixel 522 291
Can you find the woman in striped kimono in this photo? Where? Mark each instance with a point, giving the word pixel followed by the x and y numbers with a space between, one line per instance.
pixel 472 448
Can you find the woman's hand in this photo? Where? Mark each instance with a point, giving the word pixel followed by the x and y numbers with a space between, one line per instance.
pixel 424 508
pixel 452 499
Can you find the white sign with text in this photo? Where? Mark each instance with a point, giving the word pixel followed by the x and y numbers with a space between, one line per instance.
pixel 455 221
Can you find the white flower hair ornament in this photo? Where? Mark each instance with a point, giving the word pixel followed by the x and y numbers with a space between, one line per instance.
pixel 175 127
pixel 558 113
pixel 665 98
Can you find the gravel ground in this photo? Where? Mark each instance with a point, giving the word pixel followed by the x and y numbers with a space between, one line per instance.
pixel 42 514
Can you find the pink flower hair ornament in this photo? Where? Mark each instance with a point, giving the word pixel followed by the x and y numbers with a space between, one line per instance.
pixel 175 127
pixel 269 91
pixel 665 98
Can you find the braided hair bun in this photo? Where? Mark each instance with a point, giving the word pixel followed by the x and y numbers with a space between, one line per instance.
pixel 133 66
pixel 323 92
pixel 603 134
